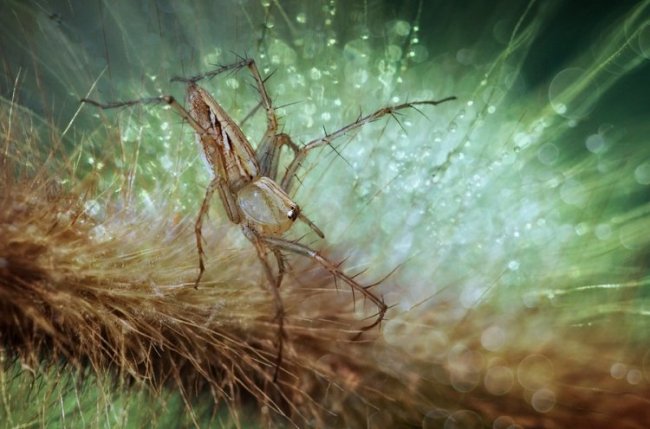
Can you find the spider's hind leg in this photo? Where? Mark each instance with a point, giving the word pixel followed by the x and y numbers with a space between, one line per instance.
pixel 301 249
pixel 272 285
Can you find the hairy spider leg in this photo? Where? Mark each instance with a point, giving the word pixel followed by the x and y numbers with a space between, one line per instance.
pixel 302 152
pixel 273 287
pixel 301 249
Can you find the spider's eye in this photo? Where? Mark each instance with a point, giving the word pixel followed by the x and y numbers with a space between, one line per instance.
pixel 293 213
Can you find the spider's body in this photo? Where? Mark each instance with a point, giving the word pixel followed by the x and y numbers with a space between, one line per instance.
pixel 253 193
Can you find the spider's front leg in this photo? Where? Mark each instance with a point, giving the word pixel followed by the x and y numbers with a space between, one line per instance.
pixel 229 204
pixel 303 151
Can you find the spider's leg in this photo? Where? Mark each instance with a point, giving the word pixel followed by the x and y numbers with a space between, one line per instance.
pixel 212 73
pixel 272 285
pixel 301 249
pixel 281 267
pixel 268 150
pixel 163 99
pixel 231 211
pixel 205 207
pixel 301 154
pixel 268 153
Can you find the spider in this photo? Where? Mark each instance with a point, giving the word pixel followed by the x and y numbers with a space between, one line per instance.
pixel 254 194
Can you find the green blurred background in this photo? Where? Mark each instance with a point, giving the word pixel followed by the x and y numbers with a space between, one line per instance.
pixel 530 191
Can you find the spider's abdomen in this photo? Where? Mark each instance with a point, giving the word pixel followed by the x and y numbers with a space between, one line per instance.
pixel 266 208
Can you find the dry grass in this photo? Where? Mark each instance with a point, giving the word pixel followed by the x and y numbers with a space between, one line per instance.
pixel 111 297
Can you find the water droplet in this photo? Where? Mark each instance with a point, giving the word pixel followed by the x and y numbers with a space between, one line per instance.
pixel 301 18
pixel 463 419
pixel 466 56
pixel 100 234
pixel 359 77
pixel 357 52
pixel 401 28
pixel 582 228
pixel 634 376
pixel 569 96
pixel 419 54
pixel 548 154
pixel 513 265
pixel 281 53
pixel 503 422
pixel 535 371
pixel 92 208
pixel 603 231
pixel 434 418
pixel 393 53
pixel 394 331
pixel 499 380
pixel 573 192
pixel 493 338
pixel 642 173
pixel 232 83
pixel 618 370
pixel 543 400
pixel 491 109
pixel 314 73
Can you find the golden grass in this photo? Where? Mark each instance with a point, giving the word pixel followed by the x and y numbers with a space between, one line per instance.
pixel 108 295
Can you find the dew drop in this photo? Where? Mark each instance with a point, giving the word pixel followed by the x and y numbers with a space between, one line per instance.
pixel 568 95
pixel 573 192
pixel 535 371
pixel 499 380
pixel 401 28
pixel 92 208
pixel 463 419
pixel 543 400
pixel 493 338
pixel 357 52
pixel 595 143
pixel 393 53
pixel 548 154
pixel 314 73
pixel 503 422
pixel 419 54
pixel 301 18
pixel 634 376
pixel 232 83
pixel 603 231
pixel 642 173
pixel 434 418
pixel 513 265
